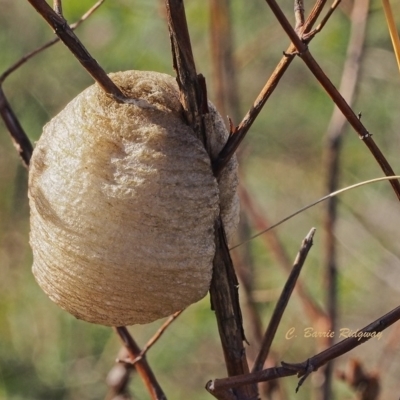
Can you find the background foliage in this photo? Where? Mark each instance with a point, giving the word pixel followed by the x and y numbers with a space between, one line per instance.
pixel 47 354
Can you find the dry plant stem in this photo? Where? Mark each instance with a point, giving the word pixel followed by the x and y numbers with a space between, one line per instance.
pixel 299 14
pixel 283 301
pixel 305 55
pixel 142 367
pixel 193 98
pixel 392 30
pixel 153 340
pixel 224 295
pixel 57 6
pixel 28 56
pixel 385 178
pixel 18 135
pixel 308 36
pixel 67 36
pixel 224 77
pixel 313 363
pixel 334 138
pixel 223 290
pixel 239 133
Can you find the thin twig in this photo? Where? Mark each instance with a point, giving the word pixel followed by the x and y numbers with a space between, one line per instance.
pixel 308 36
pixel 354 120
pixel 225 302
pixel 18 135
pixel 33 53
pixel 299 14
pixel 353 340
pixel 394 35
pixel 57 6
pixel 334 138
pixel 68 37
pixel 223 62
pixel 153 340
pixel 283 301
pixel 192 97
pixel 384 178
pixel 142 367
pixel 239 133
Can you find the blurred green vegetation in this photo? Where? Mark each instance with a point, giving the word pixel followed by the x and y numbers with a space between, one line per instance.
pixel 47 354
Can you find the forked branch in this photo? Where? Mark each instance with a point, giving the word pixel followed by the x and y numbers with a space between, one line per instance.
pixel 303 369
pixel 68 37
pixel 142 367
pixel 223 290
pixel 303 52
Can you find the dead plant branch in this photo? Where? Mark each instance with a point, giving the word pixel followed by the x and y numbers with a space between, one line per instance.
pixel 68 37
pixel 353 340
pixel 299 14
pixel 18 135
pixel 303 52
pixel 152 341
pixel 333 194
pixel 308 36
pixel 283 301
pixel 33 53
pixel 223 290
pixel 334 138
pixel 192 97
pixel 142 367
pixel 238 134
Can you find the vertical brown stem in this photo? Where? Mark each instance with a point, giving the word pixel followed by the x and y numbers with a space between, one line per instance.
pixel 332 165
pixel 224 76
pixel 223 290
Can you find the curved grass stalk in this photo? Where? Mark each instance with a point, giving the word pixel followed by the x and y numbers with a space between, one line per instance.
pixel 330 195
pixel 392 29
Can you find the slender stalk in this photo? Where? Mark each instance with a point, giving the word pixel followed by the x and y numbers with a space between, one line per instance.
pixel 153 340
pixel 354 120
pixel 336 193
pixel 33 53
pixel 239 133
pixel 142 367
pixel 303 369
pixel 223 62
pixel 18 135
pixel 392 29
pixel 334 138
pixel 283 301
pixel 68 37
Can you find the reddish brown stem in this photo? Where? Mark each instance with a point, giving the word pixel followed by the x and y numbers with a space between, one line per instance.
pixel 239 133
pixel 283 301
pixel 33 53
pixel 142 367
pixel 68 37
pixel 354 120
pixel 313 363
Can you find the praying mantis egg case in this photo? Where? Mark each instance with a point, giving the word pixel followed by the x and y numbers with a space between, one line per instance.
pixel 123 203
